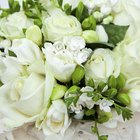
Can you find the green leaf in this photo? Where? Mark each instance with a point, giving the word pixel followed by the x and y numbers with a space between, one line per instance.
pixel 38 22
pixel 96 45
pixel 11 53
pixel 115 33
pixel 118 109
pixel 127 114
pixel 30 14
pixel 79 10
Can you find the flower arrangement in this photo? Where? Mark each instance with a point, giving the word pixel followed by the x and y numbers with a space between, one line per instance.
pixel 69 59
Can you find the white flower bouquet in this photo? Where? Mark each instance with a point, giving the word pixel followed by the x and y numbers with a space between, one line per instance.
pixel 64 60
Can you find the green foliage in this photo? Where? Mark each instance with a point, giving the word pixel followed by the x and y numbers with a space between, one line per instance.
pixel 115 33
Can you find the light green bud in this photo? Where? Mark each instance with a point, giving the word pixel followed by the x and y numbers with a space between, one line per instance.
pixel 90 112
pixel 101 86
pixel 103 116
pixel 107 20
pixel 78 75
pixel 90 83
pixel 74 89
pixel 124 98
pixel 112 82
pixel 34 33
pixel 90 36
pixel 111 92
pixel 58 92
pixel 98 15
pixel 121 81
pixel 89 23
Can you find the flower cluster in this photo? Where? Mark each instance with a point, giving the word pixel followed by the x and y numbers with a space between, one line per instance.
pixel 69 59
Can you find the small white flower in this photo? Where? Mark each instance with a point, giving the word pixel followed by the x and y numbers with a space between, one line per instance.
pixel 74 43
pixel 87 89
pixel 79 116
pixel 86 101
pixel 104 105
pixel 59 46
pixel 76 108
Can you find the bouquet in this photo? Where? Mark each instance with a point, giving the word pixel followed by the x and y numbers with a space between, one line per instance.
pixel 64 60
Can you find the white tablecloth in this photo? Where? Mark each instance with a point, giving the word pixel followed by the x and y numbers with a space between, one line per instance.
pixel 80 131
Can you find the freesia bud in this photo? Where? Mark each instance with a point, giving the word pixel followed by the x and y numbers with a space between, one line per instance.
pixel 111 92
pixel 108 20
pixel 34 33
pixel 90 36
pixel 74 89
pixel 90 83
pixel 90 112
pixel 112 82
pixel 78 75
pixel 58 92
pixel 103 116
pixel 121 81
pixel 124 98
pixel 89 23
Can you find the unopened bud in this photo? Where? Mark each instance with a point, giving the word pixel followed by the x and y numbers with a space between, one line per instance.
pixel 90 83
pixel 34 33
pixel 124 98
pixel 121 81
pixel 90 36
pixel 112 82
pixel 58 92
pixel 111 92
pixel 90 112
pixel 78 75
pixel 73 89
pixel 89 23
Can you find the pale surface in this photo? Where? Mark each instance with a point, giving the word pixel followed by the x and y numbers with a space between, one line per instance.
pixel 80 131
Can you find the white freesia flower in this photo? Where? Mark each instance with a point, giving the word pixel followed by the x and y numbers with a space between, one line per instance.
pixel 11 26
pixel 59 25
pixel 133 89
pixel 106 6
pixel 26 51
pixel 57 120
pixel 104 105
pixel 101 65
pixel 103 37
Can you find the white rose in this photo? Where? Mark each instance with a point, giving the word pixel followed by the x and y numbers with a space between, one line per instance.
pixel 61 63
pixel 26 51
pixel 59 25
pixel 101 65
pixel 12 26
pixel 133 88
pixel 129 10
pixel 57 120
pixel 130 66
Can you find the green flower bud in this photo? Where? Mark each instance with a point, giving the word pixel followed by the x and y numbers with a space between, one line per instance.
pixel 78 75
pixel 89 23
pixel 111 93
pixel 90 36
pixel 98 16
pixel 90 112
pixel 34 33
pixel 112 82
pixel 74 89
pixel 90 83
pixel 103 116
pixel 58 92
pixel 124 98
pixel 107 20
pixel 101 86
pixel 121 81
